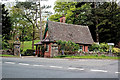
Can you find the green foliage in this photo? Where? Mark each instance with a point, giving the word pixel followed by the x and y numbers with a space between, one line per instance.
pixel 6 27
pixel 109 16
pixel 102 47
pixel 116 50
pixel 63 7
pixel 96 55
pixel 79 15
pixel 102 18
pixel 55 17
pixel 31 12
pixel 67 46
pixel 28 45
pixel 20 24
pixel 29 52
pixel 4 43
pixel 6 55
pixel 103 55
pixel 86 57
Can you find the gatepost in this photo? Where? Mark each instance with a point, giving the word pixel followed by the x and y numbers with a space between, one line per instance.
pixel 17 48
pixel 110 48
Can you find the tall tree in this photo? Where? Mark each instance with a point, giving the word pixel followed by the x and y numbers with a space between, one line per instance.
pixel 101 17
pixel 21 26
pixel 109 17
pixel 31 13
pixel 6 26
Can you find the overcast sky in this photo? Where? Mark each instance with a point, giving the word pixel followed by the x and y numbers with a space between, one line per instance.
pixel 10 3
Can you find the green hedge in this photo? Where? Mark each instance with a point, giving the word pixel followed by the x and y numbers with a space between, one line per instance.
pixel 29 52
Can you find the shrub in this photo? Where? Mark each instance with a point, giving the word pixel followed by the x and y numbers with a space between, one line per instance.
pixel 102 47
pixel 116 50
pixel 86 53
pixel 103 55
pixel 69 47
pixel 96 55
pixel 29 52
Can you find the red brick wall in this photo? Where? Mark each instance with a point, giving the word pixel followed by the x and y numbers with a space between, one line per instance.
pixel 86 48
pixel 64 19
pixel 47 54
pixel 61 19
pixel 83 47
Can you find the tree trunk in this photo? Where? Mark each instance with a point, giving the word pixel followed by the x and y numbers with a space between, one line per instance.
pixel 22 45
pixel 33 37
pixel 97 34
pixel 96 20
pixel 40 22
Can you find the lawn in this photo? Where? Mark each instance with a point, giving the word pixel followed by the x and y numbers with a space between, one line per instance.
pixel 28 45
pixel 87 57
pixel 6 55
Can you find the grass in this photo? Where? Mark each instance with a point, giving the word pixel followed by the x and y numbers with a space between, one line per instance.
pixel 28 45
pixel 6 55
pixel 87 57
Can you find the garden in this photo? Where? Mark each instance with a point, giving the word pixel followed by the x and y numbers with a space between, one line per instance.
pixel 69 49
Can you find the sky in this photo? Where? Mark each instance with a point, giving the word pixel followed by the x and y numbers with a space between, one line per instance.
pixel 10 3
pixel 43 2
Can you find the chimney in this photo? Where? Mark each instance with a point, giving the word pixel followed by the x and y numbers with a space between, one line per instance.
pixel 62 19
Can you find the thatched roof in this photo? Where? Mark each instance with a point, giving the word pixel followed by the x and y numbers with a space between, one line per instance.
pixel 65 32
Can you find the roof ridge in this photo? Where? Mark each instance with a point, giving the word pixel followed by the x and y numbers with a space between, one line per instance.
pixel 68 24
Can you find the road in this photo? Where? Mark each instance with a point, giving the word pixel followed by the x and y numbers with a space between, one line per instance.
pixel 58 68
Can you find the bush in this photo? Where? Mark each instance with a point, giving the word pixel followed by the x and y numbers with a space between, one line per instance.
pixel 96 55
pixel 116 50
pixel 103 55
pixel 102 47
pixel 29 52
pixel 86 53
pixel 69 47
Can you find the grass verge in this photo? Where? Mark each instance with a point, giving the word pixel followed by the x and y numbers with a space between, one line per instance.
pixel 87 57
pixel 6 55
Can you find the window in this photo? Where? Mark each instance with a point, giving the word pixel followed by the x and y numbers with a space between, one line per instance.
pixel 47 48
pixel 81 48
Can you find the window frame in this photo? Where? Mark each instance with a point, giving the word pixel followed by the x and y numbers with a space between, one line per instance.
pixel 47 46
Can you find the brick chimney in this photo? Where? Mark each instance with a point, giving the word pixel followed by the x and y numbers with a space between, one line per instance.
pixel 62 19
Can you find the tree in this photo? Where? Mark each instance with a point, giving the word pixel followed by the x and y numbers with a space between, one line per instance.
pixel 21 26
pixel 30 13
pixel 109 16
pixel 102 18
pixel 6 27
pixel 55 17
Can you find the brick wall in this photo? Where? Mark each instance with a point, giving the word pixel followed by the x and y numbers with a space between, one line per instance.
pixel 47 54
pixel 86 48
